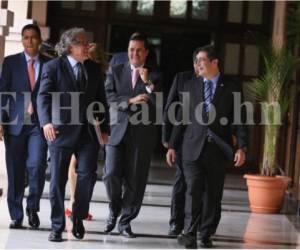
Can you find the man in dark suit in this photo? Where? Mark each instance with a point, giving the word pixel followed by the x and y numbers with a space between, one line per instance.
pixel 71 98
pixel 176 93
pixel 130 91
pixel 22 134
pixel 208 132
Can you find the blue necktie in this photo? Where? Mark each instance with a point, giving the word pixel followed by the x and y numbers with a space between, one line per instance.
pixel 207 95
pixel 207 101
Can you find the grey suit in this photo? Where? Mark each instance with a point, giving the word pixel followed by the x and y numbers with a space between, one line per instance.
pixel 130 146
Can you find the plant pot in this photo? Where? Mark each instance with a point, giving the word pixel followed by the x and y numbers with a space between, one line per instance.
pixel 266 193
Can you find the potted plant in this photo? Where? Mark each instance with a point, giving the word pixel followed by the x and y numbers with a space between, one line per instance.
pixel 275 91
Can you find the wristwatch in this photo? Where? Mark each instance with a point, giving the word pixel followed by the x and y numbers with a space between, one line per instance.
pixel 149 83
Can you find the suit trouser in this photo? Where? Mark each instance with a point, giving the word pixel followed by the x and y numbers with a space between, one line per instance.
pixel 178 196
pixel 28 150
pixel 205 180
pixel 86 152
pixel 126 168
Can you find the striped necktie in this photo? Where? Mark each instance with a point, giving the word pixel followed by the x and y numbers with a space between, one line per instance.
pixel 207 95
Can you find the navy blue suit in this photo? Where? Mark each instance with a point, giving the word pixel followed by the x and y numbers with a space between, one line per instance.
pixel 24 141
pixel 79 139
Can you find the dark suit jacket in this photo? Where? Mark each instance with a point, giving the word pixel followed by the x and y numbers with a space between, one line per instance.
pixel 14 78
pixel 58 76
pixel 178 86
pixel 193 135
pixel 119 90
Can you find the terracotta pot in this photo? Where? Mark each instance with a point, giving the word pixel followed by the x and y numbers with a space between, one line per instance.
pixel 266 193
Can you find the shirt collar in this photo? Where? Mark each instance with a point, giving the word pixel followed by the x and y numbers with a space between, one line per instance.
pixel 214 80
pixel 72 61
pixel 132 67
pixel 36 58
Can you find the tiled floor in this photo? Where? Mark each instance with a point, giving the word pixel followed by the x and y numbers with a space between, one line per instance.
pixel 238 227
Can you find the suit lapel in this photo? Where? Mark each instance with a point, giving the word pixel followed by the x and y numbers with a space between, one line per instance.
pixel 42 60
pixel 197 89
pixel 127 76
pixel 24 75
pixel 68 71
pixel 219 89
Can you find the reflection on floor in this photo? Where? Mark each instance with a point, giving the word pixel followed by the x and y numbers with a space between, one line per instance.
pixel 238 228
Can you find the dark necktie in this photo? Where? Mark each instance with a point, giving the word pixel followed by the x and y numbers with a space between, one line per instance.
pixel 207 101
pixel 80 80
pixel 207 95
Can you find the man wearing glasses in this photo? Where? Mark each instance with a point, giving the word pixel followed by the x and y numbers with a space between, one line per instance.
pixel 71 97
pixel 213 115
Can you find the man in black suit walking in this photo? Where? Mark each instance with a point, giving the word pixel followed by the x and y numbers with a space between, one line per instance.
pixel 208 132
pixel 176 94
pixel 70 99
pixel 130 91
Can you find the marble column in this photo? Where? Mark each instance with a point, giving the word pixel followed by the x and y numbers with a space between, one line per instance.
pixel 6 20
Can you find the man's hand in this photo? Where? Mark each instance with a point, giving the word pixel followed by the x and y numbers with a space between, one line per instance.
pixel 239 158
pixel 104 138
pixel 50 132
pixel 171 157
pixel 1 133
pixel 142 98
pixel 144 75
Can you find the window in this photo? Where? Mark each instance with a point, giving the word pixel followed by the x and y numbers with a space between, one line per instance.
pixel 124 6
pixel 88 5
pixel 68 5
pixel 235 12
pixel 200 9
pixel 145 7
pixel 232 58
pixel 255 11
pixel 178 8
pixel 251 61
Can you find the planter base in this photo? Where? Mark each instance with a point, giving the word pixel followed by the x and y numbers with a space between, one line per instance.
pixel 265 193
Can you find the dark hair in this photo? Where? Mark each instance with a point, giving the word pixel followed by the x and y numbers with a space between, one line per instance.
pixel 137 36
pixel 34 27
pixel 209 49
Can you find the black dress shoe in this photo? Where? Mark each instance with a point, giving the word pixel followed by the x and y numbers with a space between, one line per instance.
pixel 55 236
pixel 110 224
pixel 16 224
pixel 174 230
pixel 127 233
pixel 188 241
pixel 206 242
pixel 78 228
pixel 33 218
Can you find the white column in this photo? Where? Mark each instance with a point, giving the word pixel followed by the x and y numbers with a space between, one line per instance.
pixel 6 20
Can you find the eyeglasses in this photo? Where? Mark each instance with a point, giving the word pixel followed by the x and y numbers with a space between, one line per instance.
pixel 201 59
pixel 81 43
